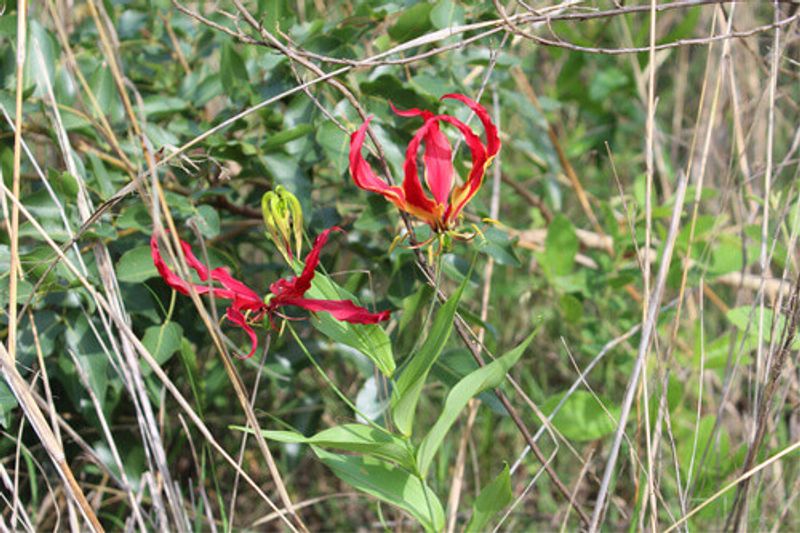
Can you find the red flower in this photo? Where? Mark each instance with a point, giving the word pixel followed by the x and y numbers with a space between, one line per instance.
pixel 244 299
pixel 447 202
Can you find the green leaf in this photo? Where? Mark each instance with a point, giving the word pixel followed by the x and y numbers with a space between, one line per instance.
pixel 409 386
pixel 8 402
pixel 207 220
pixel 335 144
pixel 561 246
pixel 745 318
pixel 369 339
pixel 358 438
pixel 159 105
pixel 719 461
pixel 282 137
pixel 606 82
pixel 388 483
pixel 136 265
pixel 581 418
pixel 233 71
pixel 487 377
pixel 41 52
pixel 163 341
pixel 446 13
pixel 493 498
pixel 498 245
pixel 412 23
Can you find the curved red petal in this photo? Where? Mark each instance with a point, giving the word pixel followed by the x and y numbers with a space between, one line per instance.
pixel 344 310
pixel 413 112
pixel 175 281
pixel 297 286
pixel 438 159
pixel 362 173
pixel 464 193
pixel 416 198
pixel 492 136
pixel 244 297
pixel 192 261
pixel 237 318
pixel 171 279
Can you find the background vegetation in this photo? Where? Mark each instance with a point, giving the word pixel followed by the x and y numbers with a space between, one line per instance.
pixel 648 214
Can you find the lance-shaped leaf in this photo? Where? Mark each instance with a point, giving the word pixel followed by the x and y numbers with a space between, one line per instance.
pixel 369 339
pixel 358 438
pixel 493 498
pixel 485 378
pixel 388 483
pixel 409 386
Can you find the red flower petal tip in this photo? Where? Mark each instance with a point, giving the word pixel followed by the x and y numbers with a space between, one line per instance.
pixel 442 203
pixel 243 299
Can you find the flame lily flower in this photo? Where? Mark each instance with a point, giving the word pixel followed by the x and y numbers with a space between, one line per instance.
pixel 442 207
pixel 246 306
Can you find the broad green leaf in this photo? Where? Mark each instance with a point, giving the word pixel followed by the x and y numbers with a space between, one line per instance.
pixel 388 483
pixel 499 245
pixel 561 246
pixel 413 22
pixel 581 418
pixel 409 386
pixel 136 265
pixel 493 498
pixel 369 339
pixel 745 318
pixel 446 13
pixel 232 70
pixel 8 402
pixel 163 341
pixel 81 340
pixel 358 438
pixel 207 220
pixel 487 377
pixel 335 144
pixel 42 53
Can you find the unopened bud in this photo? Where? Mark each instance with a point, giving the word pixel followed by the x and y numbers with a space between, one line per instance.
pixel 283 218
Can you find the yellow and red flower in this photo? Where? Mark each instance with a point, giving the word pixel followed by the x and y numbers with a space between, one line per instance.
pixel 442 207
pixel 245 300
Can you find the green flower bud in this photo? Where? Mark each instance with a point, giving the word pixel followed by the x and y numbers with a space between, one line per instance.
pixel 283 218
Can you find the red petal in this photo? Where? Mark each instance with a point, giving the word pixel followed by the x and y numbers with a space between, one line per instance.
pixel 492 137
pixel 297 286
pixel 237 318
pixel 363 175
pixel 344 310
pixel 413 112
pixel 192 261
pixel 438 157
pixel 244 297
pixel 175 281
pixel 464 193
pixel 418 202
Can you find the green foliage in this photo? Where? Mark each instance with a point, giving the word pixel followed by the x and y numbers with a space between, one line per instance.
pixel 582 417
pixel 493 498
pixel 384 411
pixel 390 484
pixel 369 339
pixel 485 378
pixel 406 392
